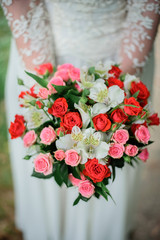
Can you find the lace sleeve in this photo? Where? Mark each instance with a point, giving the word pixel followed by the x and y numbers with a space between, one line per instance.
pixel 30 26
pixel 139 33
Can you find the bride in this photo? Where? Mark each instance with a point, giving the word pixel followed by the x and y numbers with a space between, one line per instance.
pixel 78 32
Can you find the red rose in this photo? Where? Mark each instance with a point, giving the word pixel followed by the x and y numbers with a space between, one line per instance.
pixel 134 126
pixel 141 87
pixel 70 120
pixel 133 111
pixel 116 71
pixel 114 81
pixel 119 116
pixel 96 171
pixel 42 69
pixel 17 127
pixel 101 122
pixel 154 119
pixel 59 107
pixel 39 104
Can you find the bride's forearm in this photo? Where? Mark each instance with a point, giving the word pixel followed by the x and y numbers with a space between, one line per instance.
pixel 139 33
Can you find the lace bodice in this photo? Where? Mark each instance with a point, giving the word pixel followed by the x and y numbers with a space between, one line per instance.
pixel 90 30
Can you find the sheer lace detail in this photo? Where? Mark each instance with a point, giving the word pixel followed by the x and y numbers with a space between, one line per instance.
pixel 29 22
pixel 139 33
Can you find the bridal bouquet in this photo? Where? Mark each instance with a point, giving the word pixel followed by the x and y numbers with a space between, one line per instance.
pixel 79 125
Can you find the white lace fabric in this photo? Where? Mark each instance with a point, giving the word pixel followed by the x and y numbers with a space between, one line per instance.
pixel 90 30
pixel 30 25
pixel 140 30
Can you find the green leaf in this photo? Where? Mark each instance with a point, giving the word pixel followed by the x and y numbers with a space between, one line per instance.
pixel 127 159
pixel 122 77
pixel 85 92
pixel 27 157
pixel 77 200
pixel 20 82
pixel 33 102
pixel 91 70
pixel 64 172
pixel 57 175
pixel 84 198
pixel 101 192
pixel 41 175
pixel 39 80
pixel 76 172
pixel 135 95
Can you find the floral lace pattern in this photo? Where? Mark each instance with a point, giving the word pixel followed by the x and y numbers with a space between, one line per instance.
pixel 31 29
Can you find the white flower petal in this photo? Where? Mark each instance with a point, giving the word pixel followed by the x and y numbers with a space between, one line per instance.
pixel 84 115
pixel 116 95
pixel 99 108
pixel 102 150
pixel 65 142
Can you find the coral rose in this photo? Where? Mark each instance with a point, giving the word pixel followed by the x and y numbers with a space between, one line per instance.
pixel 47 135
pixel 43 163
pixel 74 74
pixel 131 150
pixel 86 188
pixel 29 138
pixel 72 158
pixel 63 73
pixel 121 136
pixel 114 81
pixel 44 68
pixel 59 155
pixel 144 155
pixel 116 150
pixel 56 81
pixel 43 93
pixel 142 134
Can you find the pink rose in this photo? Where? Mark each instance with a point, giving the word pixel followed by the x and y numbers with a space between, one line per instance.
pixel 59 155
pixel 60 130
pixel 78 87
pixel 144 155
pixel 131 150
pixel 56 81
pixel 86 188
pixel 43 93
pixel 29 138
pixel 74 74
pixel 63 73
pixel 47 135
pixel 72 158
pixel 116 150
pixel 66 66
pixel 73 180
pixel 43 163
pixel 142 134
pixel 121 136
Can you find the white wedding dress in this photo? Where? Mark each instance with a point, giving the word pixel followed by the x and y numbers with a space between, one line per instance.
pixel 78 32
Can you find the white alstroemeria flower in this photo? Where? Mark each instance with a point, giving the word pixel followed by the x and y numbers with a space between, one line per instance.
pixel 115 96
pixel 128 80
pixel 76 134
pixel 101 69
pixel 35 117
pixel 86 80
pixel 99 91
pixel 99 108
pixel 65 143
pixel 83 109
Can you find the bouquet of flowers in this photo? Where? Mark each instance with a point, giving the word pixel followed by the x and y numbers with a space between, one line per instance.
pixel 79 125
